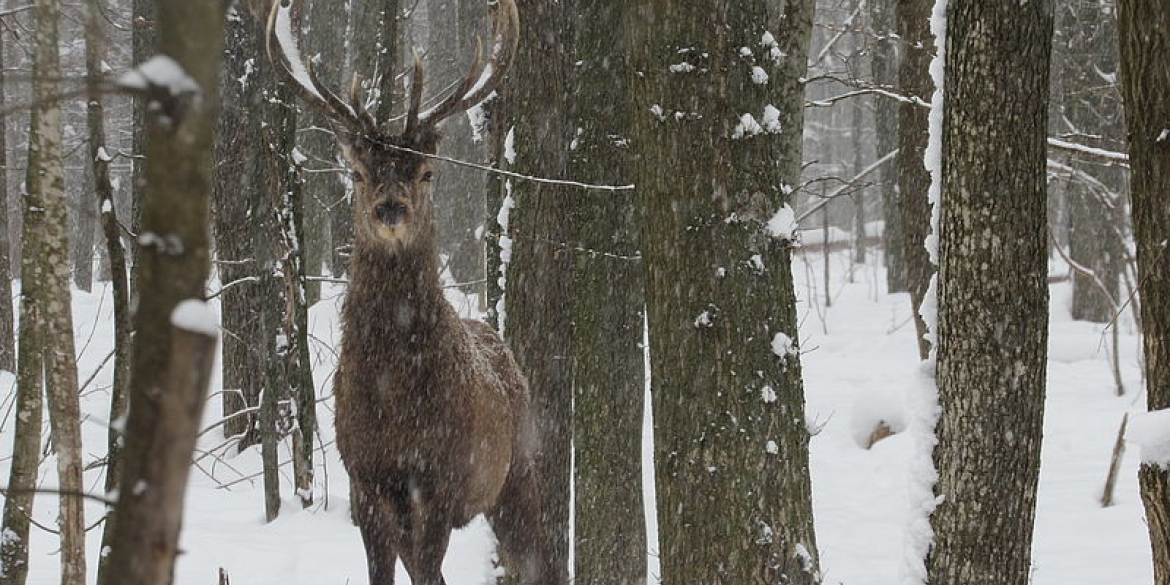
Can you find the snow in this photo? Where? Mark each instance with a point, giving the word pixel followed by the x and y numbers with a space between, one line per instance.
pixel 748 126
pixel 783 346
pixel 859 363
pixel 1163 136
pixel 683 67
pixel 1151 431
pixel 759 76
pixel 195 316
pixel 924 409
pixel 159 71
pixel 102 155
pixel 287 42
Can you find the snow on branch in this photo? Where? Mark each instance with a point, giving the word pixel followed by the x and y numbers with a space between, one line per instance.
pixel 157 72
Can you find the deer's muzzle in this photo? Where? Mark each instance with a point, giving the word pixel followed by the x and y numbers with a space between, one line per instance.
pixel 391 213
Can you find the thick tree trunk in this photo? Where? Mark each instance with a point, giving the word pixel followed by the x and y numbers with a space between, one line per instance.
pixel 993 291
pixel 913 180
pixel 144 44
pixel 1144 30
pixel 237 184
pixel 539 300
pixel 171 362
pixel 720 155
pixel 608 371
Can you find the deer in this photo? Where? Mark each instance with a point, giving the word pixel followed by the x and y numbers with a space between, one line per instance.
pixel 433 416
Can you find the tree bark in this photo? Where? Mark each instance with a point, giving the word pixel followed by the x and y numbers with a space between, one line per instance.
pixel 46 253
pixel 238 184
pixel 885 115
pixel 913 179
pixel 731 452
pixel 7 315
pixel 608 370
pixel 538 294
pixel 120 391
pixel 1144 30
pixel 993 291
pixel 171 364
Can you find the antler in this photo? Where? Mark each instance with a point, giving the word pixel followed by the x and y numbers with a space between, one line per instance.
pixel 481 80
pixel 285 55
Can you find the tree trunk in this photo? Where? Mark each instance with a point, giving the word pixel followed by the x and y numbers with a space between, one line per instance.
pixel 538 325
pixel 46 250
pixel 885 117
pixel 720 155
pixel 7 316
pixel 144 45
pixel 99 158
pixel 993 291
pixel 913 179
pixel 238 184
pixel 172 359
pixel 1144 30
pixel 608 369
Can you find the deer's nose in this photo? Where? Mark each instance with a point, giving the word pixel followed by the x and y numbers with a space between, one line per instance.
pixel 390 213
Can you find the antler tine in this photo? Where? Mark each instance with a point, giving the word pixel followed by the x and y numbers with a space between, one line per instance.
pixel 416 87
pixel 475 89
pixel 314 93
pixel 359 105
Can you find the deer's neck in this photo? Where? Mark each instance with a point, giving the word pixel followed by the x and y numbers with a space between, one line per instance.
pixel 395 292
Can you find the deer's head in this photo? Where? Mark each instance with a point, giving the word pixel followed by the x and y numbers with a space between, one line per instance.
pixel 391 171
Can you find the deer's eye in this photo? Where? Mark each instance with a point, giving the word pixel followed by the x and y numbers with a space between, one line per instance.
pixel 356 176
pixel 427 176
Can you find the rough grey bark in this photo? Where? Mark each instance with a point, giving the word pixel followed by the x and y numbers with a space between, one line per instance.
pixel 913 180
pixel 171 365
pixel 992 292
pixel 237 185
pixel 1144 30
pixel 884 63
pixel 538 300
pixel 608 371
pixel 116 255
pixel 731 447
pixel 538 297
pixel 7 316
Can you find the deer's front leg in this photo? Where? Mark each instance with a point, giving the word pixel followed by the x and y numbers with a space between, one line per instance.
pixel 381 529
pixel 429 533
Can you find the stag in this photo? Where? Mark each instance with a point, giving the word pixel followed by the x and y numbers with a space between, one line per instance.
pixel 433 417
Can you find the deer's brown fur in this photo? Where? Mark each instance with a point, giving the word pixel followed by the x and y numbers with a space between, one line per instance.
pixel 433 417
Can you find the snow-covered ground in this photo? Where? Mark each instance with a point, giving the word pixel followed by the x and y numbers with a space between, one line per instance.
pixel 859 363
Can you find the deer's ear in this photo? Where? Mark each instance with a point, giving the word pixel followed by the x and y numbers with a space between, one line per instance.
pixel 352 154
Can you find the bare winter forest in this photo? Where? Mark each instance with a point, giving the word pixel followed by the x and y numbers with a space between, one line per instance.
pixel 540 292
